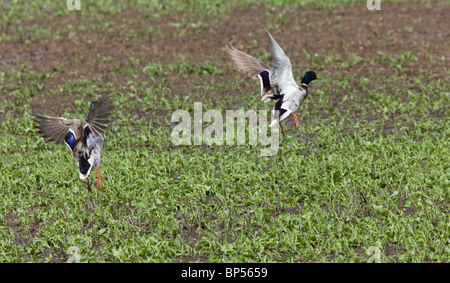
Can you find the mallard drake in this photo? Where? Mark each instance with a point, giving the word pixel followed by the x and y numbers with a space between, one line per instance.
pixel 277 83
pixel 83 137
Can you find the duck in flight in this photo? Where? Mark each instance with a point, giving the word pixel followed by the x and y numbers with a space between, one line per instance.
pixel 277 82
pixel 84 137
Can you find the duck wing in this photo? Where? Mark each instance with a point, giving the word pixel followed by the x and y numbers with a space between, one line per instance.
pixel 57 128
pixel 282 70
pixel 98 116
pixel 245 63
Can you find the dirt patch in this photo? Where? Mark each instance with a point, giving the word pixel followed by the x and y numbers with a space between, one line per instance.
pixel 190 235
pixel 348 30
pixel 394 250
pixel 23 235
pixel 290 210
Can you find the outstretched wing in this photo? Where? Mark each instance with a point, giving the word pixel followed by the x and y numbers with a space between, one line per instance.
pixel 255 68
pixel 55 128
pixel 245 63
pixel 97 117
pixel 282 65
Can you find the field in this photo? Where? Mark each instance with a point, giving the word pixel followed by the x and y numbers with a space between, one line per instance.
pixel 365 177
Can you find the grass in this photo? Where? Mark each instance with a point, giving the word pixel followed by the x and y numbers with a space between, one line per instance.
pixel 368 170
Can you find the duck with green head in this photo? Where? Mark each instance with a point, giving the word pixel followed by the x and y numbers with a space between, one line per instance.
pixel 83 137
pixel 277 82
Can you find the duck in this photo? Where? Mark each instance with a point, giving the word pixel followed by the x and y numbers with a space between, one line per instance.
pixel 85 138
pixel 277 82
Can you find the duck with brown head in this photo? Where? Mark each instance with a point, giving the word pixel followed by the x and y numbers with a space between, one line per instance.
pixel 83 137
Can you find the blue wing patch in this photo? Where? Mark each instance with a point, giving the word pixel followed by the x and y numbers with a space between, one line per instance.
pixel 70 140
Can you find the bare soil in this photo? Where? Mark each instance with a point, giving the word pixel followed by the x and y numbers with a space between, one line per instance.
pixel 352 29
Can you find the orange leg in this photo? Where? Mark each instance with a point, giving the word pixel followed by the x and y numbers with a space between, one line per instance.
pixel 296 120
pixel 89 185
pixel 282 130
pixel 98 182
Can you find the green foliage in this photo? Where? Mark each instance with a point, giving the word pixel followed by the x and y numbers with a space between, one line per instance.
pixel 368 170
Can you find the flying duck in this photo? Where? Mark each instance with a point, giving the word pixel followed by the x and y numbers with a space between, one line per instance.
pixel 277 82
pixel 83 137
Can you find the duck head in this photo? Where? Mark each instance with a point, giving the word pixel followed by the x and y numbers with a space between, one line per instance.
pixel 309 77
